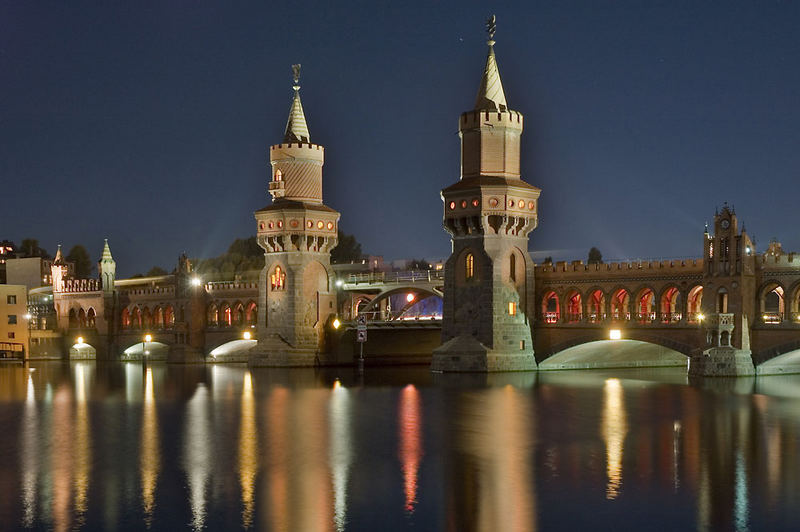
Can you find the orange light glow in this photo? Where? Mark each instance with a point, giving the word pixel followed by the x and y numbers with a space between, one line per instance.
pixel 410 428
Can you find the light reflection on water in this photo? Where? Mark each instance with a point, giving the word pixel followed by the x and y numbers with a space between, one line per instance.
pixel 92 446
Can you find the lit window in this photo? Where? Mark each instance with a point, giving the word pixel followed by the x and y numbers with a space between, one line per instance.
pixel 469 266
pixel 330 226
pixel 463 204
pixel 475 202
pixel 310 224
pixel 711 250
pixel 493 202
pixel 531 205
pixel 452 205
pixel 320 224
pixel 278 279
pixel 511 203
pixel 512 308
pixel 278 175
pixel 521 204
pixel 280 224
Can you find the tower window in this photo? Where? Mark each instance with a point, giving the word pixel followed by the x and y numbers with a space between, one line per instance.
pixel 512 308
pixel 278 175
pixel 512 267
pixel 469 266
pixel 278 279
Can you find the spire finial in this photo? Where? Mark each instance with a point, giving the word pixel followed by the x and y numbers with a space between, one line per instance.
pixel 296 76
pixel 491 27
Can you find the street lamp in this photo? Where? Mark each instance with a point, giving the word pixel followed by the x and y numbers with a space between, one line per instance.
pixel 247 335
pixel 147 339
pixel 336 323
pixel 196 281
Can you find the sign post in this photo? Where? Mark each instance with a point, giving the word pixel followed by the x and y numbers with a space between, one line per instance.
pixel 361 337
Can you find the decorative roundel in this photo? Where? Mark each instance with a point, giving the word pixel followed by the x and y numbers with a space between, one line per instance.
pixel 493 202
pixel 330 226
pixel 511 203
pixel 531 205
pixel 271 225
pixel 464 204
pixel 280 224
pixel 452 205
pixel 261 226
pixel 310 224
pixel 725 224
pixel 294 223
pixel 475 202
pixel 522 204
pixel 320 224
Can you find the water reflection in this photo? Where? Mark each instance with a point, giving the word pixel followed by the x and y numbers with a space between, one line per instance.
pixel 196 455
pixel 410 435
pixel 149 455
pixel 119 447
pixel 29 455
pixel 493 478
pixel 248 451
pixel 341 450
pixel 614 427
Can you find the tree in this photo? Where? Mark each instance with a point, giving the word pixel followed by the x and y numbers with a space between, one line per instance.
pixel 30 248
pixel 155 271
pixel 83 264
pixel 595 257
pixel 347 250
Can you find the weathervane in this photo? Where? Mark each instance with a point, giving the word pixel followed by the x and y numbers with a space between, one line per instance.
pixel 296 76
pixel 491 27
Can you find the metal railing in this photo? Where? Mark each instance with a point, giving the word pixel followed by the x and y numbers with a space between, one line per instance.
pixel 410 276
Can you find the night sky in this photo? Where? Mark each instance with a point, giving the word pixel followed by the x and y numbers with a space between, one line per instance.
pixel 149 123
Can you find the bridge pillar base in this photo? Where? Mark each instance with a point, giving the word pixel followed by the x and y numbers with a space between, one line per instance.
pixel 274 353
pixel 465 354
pixel 722 362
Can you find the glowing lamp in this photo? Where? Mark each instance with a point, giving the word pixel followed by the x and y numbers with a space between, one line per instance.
pixel 615 334
pixel 79 340
pixel 336 323
pixel 410 297
pixel 148 338
pixel 339 282
pixel 196 281
pixel 247 335
pixel 701 317
pixel 28 316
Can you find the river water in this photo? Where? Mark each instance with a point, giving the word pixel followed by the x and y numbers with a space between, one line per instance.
pixel 95 446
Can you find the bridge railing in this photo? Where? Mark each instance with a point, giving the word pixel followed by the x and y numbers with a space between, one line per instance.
pixel 410 276
pixel 772 318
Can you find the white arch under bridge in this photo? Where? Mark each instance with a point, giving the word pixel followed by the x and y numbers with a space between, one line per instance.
pixel 379 286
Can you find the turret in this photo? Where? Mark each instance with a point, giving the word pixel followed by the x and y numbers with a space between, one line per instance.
pixel 107 268
pixel 58 271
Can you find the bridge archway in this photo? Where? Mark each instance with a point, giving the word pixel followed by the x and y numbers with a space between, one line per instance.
pixel 232 351
pixel 786 363
pixel 620 305
pixel 694 301
pixel 551 307
pixel 82 351
pixel 574 306
pixel 150 350
pixel 600 354
pixel 670 306
pixel 645 305
pixel 421 294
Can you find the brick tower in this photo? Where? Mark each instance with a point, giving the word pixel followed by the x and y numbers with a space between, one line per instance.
pixel 297 232
pixel 488 292
pixel 729 294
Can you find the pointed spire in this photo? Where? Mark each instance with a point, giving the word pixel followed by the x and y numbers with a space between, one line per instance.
pixel 106 252
pixel 296 127
pixel 59 260
pixel 491 96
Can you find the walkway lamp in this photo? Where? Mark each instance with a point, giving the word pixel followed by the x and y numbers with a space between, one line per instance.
pixel 147 339
pixel 615 334
pixel 79 340
pixel 196 281
pixel 336 323
pixel 247 335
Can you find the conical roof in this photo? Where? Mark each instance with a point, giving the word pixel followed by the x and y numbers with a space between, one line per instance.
pixel 106 253
pixel 59 260
pixel 296 126
pixel 491 96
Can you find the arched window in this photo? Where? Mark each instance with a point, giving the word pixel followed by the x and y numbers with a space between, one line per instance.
pixel 81 318
pixel 73 319
pixel 226 316
pixel 278 279
pixel 238 314
pixel 90 318
pixel 147 318
pixel 722 301
pixel 278 175
pixel 251 314
pixel 136 318
pixel 512 267
pixel 213 315
pixel 551 311
pixel 126 318
pixel 158 317
pixel 169 316
pixel 469 266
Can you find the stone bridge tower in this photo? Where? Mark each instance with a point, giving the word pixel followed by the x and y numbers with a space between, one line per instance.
pixel 729 295
pixel 297 232
pixel 489 213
